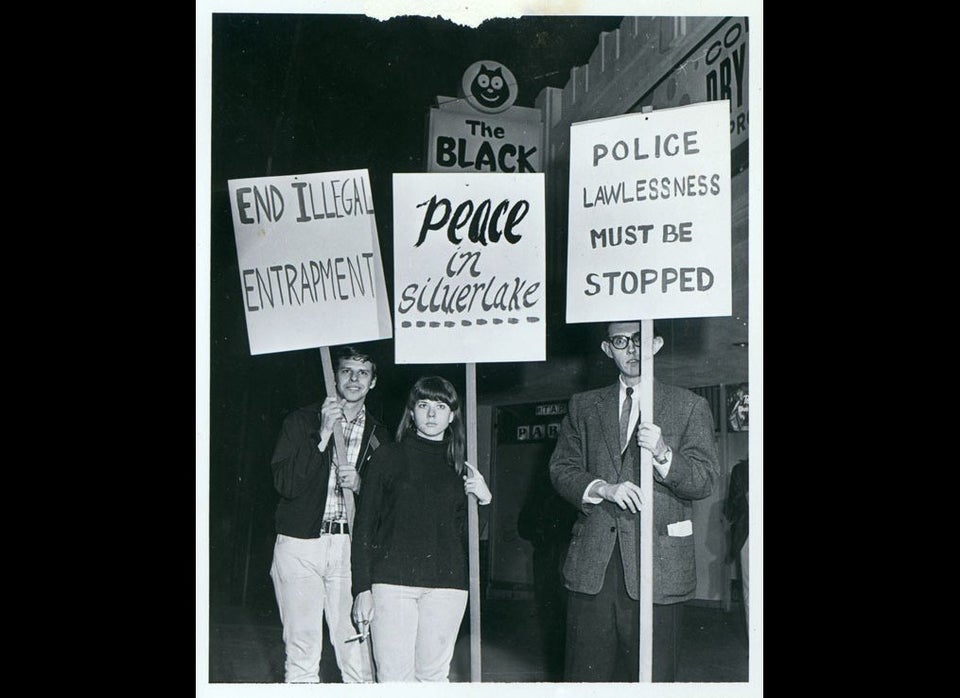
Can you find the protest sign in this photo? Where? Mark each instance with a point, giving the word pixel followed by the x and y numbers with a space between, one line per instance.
pixel 310 268
pixel 649 216
pixel 469 282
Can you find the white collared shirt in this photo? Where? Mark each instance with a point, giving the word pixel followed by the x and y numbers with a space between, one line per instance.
pixel 664 468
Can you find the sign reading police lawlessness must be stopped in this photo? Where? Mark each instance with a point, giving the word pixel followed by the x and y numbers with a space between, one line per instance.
pixel 649 222
pixel 469 266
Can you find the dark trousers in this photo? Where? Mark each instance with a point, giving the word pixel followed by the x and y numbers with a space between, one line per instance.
pixel 603 633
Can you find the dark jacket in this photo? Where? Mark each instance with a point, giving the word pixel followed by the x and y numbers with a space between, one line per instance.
pixel 301 470
pixel 736 510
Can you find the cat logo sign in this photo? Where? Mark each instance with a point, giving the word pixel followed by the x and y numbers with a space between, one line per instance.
pixel 489 87
pixel 482 130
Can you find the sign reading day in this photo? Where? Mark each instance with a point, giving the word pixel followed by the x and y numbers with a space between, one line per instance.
pixel 469 256
pixel 649 220
pixel 310 268
pixel 720 71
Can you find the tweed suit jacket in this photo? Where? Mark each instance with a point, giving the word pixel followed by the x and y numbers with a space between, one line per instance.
pixel 588 447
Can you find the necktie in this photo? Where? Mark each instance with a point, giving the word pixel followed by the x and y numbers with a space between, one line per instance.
pixel 625 419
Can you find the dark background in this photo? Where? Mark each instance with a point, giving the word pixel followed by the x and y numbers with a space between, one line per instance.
pixel 313 93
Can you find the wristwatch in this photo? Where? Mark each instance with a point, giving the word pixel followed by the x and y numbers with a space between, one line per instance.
pixel 666 455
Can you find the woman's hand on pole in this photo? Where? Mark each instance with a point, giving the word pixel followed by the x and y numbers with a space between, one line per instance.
pixel 473 483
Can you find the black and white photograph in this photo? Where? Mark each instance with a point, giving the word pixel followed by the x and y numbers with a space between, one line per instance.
pixel 479 301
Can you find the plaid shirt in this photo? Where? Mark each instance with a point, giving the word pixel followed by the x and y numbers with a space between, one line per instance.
pixel 352 436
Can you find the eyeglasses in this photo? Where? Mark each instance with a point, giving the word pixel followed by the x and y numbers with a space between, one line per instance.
pixel 620 341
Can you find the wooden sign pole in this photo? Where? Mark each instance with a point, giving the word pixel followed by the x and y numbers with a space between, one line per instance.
pixel 473 527
pixel 338 442
pixel 646 514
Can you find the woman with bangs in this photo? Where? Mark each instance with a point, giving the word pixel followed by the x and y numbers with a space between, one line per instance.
pixel 409 560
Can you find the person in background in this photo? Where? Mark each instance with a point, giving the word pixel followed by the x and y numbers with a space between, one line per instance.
pixel 545 521
pixel 595 466
pixel 410 562
pixel 311 557
pixel 737 513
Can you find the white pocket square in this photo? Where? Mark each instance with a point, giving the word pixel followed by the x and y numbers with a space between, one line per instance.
pixel 680 529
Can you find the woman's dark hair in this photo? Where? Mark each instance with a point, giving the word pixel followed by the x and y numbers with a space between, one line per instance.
pixel 439 390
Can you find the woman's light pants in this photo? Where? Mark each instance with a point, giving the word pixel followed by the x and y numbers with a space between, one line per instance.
pixel 414 630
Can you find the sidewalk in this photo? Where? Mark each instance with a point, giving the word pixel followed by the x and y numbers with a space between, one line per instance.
pixel 246 647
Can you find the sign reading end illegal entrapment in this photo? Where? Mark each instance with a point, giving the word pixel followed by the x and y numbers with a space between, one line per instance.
pixel 311 274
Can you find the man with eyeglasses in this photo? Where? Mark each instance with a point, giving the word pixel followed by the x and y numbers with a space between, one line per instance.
pixel 311 557
pixel 596 467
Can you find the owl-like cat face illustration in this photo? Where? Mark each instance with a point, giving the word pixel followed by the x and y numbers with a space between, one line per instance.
pixel 489 88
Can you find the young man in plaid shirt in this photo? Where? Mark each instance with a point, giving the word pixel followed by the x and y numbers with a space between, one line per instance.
pixel 311 557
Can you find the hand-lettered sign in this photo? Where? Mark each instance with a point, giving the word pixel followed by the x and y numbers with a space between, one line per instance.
pixel 310 268
pixel 469 262
pixel 649 216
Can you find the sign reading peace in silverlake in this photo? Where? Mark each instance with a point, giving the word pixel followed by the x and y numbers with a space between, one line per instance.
pixel 469 267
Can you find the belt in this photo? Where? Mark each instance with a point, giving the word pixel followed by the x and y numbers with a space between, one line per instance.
pixel 334 527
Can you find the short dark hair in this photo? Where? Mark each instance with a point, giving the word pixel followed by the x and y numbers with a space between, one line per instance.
pixel 349 353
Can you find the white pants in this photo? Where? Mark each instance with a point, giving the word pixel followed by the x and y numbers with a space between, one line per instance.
pixel 311 578
pixel 414 630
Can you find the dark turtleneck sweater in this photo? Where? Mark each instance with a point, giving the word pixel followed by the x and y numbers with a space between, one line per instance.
pixel 410 526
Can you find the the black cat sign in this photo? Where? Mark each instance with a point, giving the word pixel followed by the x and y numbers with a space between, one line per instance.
pixel 489 87
pixel 482 130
